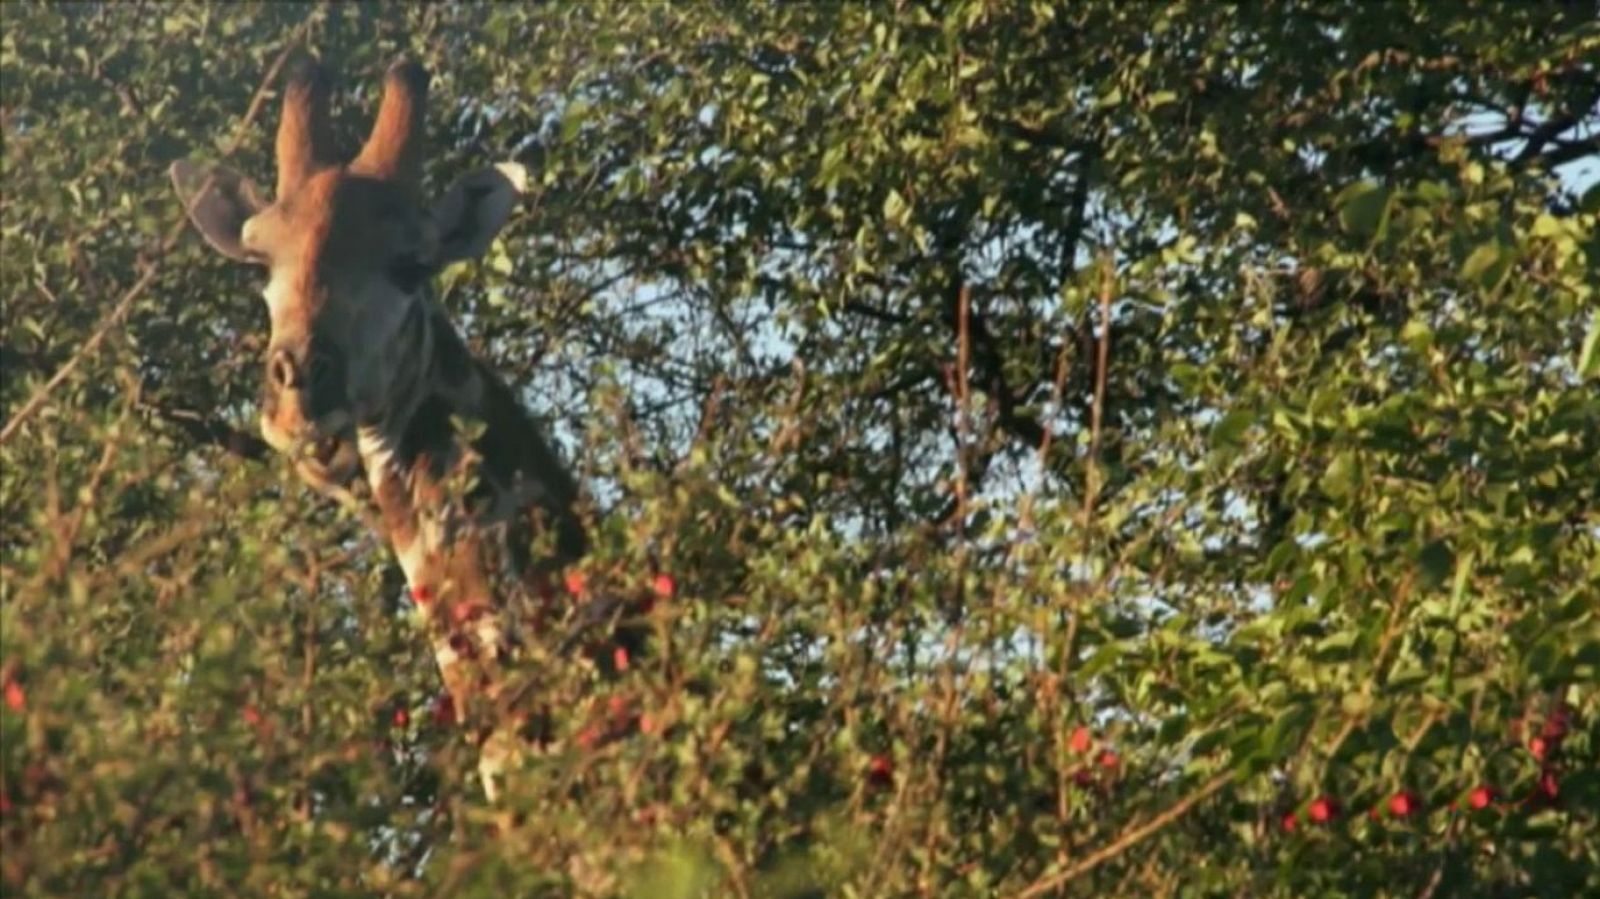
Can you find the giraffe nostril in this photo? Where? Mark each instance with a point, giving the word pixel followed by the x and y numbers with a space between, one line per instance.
pixel 281 370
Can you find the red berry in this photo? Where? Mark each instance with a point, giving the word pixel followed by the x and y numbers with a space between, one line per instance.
pixel 251 715
pixel 1540 747
pixel 880 771
pixel 619 658
pixel 664 585
pixel 647 724
pixel 401 717
pixel 1403 804
pixel 1080 739
pixel 16 699
pixel 589 737
pixel 1548 784
pixel 1108 759
pixel 1481 796
pixel 1323 809
pixel 1289 822
pixel 577 583
pixel 421 595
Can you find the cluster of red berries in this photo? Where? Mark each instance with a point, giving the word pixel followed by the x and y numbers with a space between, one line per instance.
pixel 1544 747
pixel 662 588
pixel 662 585
pixel 1081 742
pixel 1324 809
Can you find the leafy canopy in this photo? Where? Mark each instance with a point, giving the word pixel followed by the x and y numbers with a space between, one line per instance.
pixel 1097 449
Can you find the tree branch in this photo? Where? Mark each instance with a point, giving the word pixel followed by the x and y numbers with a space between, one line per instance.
pixel 1130 837
pixel 214 432
pixel 1551 128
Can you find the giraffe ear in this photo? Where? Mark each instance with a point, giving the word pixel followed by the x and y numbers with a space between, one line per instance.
pixel 474 210
pixel 219 201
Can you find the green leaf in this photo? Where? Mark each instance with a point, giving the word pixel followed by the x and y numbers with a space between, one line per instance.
pixel 1487 265
pixel 1189 378
pixel 1363 209
pixel 1458 591
pixel 1339 477
pixel 573 119
pixel 895 209
pixel 1589 353
pixel 1232 427
pixel 1336 647
pixel 1417 335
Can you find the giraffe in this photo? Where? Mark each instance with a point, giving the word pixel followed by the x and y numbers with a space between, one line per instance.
pixel 366 377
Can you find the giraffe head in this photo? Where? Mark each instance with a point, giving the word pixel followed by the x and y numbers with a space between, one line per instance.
pixel 347 247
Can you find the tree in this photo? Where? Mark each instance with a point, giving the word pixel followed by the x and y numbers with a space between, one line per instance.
pixel 1113 449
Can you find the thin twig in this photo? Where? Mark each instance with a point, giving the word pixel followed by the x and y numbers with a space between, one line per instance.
pixel 963 396
pixel 1102 360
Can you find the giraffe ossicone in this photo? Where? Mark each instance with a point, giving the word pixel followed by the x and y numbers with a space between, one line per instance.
pixel 365 373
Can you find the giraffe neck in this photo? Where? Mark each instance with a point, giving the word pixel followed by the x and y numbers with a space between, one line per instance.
pixel 448 543
pixel 409 439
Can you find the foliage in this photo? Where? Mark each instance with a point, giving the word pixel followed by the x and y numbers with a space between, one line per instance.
pixel 1097 449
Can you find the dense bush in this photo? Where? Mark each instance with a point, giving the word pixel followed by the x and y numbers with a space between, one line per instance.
pixel 1106 449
